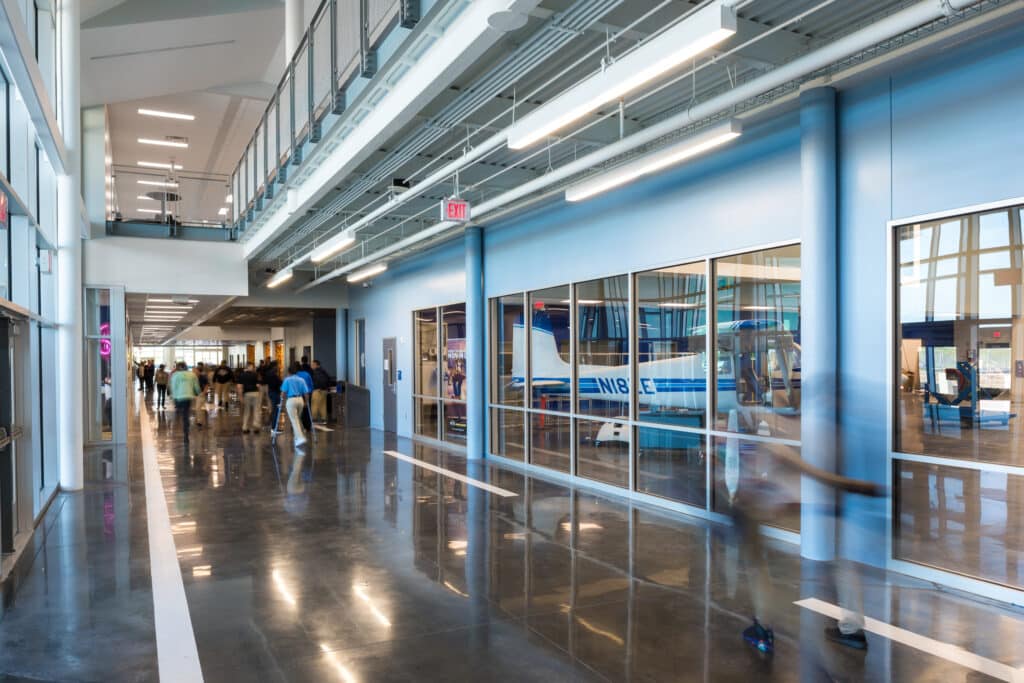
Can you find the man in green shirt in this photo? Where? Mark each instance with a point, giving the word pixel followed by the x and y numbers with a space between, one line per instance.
pixel 184 388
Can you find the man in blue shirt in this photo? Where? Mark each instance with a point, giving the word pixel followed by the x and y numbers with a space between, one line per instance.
pixel 293 391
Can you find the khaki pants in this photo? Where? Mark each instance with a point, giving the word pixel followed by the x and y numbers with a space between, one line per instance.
pixel 320 405
pixel 199 408
pixel 264 397
pixel 223 394
pixel 295 406
pixel 251 416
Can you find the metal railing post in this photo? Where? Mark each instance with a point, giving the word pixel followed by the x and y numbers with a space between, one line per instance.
pixel 367 56
pixel 314 125
pixel 337 97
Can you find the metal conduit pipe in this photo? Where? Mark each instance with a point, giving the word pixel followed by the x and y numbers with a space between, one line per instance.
pixel 558 31
pixel 893 25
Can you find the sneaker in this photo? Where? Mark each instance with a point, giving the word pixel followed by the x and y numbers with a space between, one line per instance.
pixel 856 640
pixel 763 639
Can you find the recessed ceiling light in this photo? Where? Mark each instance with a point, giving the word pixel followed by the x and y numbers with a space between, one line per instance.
pixel 167 114
pixel 222 211
pixel 229 199
pixel 163 143
pixel 157 183
pixel 160 164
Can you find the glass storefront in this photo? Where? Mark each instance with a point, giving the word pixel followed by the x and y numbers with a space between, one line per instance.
pixel 609 379
pixel 98 365
pixel 959 391
pixel 439 366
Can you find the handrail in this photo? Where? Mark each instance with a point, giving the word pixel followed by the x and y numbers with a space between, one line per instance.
pixel 265 158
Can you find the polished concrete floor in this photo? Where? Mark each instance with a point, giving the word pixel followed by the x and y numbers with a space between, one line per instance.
pixel 342 562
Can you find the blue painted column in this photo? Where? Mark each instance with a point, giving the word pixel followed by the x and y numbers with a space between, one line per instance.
pixel 476 345
pixel 818 317
pixel 341 343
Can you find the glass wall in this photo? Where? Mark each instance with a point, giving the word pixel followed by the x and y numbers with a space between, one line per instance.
pixel 439 385
pixel 617 375
pixel 959 391
pixel 98 365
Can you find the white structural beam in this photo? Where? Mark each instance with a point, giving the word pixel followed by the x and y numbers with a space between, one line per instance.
pixel 440 53
pixel 69 260
pixel 28 79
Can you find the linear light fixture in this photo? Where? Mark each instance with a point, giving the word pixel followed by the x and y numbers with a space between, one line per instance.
pixel 282 276
pixel 229 199
pixel 651 163
pixel 157 183
pixel 676 46
pixel 332 246
pixel 366 273
pixel 163 143
pixel 172 301
pixel 222 211
pixel 149 211
pixel 160 164
pixel 167 114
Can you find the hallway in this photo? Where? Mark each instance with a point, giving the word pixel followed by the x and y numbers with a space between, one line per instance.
pixel 349 563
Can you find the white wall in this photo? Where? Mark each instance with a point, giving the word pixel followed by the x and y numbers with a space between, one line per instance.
pixel 166 266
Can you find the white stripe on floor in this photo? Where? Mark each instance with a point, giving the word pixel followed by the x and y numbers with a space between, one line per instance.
pixel 176 653
pixel 453 475
pixel 952 653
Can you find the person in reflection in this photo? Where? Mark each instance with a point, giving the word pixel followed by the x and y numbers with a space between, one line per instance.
pixel 321 383
pixel 161 386
pixel 294 390
pixel 184 389
pixel 760 501
pixel 248 388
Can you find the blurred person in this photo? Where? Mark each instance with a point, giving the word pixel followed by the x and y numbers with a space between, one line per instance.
pixel 321 383
pixel 148 373
pixel 760 500
pixel 305 366
pixel 223 378
pixel 307 377
pixel 202 377
pixel 249 389
pixel 295 390
pixel 261 370
pixel 272 381
pixel 162 378
pixel 184 390
pixel 140 374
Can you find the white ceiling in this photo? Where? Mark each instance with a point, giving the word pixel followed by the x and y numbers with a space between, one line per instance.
pixel 144 311
pixel 217 60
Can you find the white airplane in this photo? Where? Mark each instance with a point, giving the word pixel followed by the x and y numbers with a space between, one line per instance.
pixel 675 384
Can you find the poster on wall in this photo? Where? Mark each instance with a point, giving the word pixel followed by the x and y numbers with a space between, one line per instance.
pixel 455 386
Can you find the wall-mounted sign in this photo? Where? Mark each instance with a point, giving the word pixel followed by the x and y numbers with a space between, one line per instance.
pixel 457 210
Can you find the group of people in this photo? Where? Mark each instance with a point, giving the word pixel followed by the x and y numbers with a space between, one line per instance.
pixel 303 391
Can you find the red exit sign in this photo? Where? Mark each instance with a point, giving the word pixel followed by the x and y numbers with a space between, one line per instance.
pixel 3 209
pixel 455 210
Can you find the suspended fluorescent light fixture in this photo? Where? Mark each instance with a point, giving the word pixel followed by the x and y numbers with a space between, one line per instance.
pixel 676 46
pixel 651 163
pixel 160 164
pixel 163 143
pixel 167 114
pixel 332 246
pixel 279 277
pixel 361 275
pixel 157 183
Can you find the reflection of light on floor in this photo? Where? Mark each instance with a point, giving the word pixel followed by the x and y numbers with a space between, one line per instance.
pixel 191 551
pixel 457 545
pixel 453 589
pixel 183 527
pixel 282 588
pixel 343 673
pixel 361 592
pixel 517 536
pixel 583 526
pixel 594 629
pixel 201 570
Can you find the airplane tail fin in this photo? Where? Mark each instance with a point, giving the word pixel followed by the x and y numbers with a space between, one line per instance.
pixel 547 361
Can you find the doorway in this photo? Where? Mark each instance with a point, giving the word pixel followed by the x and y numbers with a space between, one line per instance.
pixel 390 386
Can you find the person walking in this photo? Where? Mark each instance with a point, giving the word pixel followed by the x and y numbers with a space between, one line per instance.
pixel 261 371
pixel 200 400
pixel 223 378
pixel 321 383
pixel 184 390
pixel 162 378
pixel 148 375
pixel 272 380
pixel 249 389
pixel 295 389
pixel 140 373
